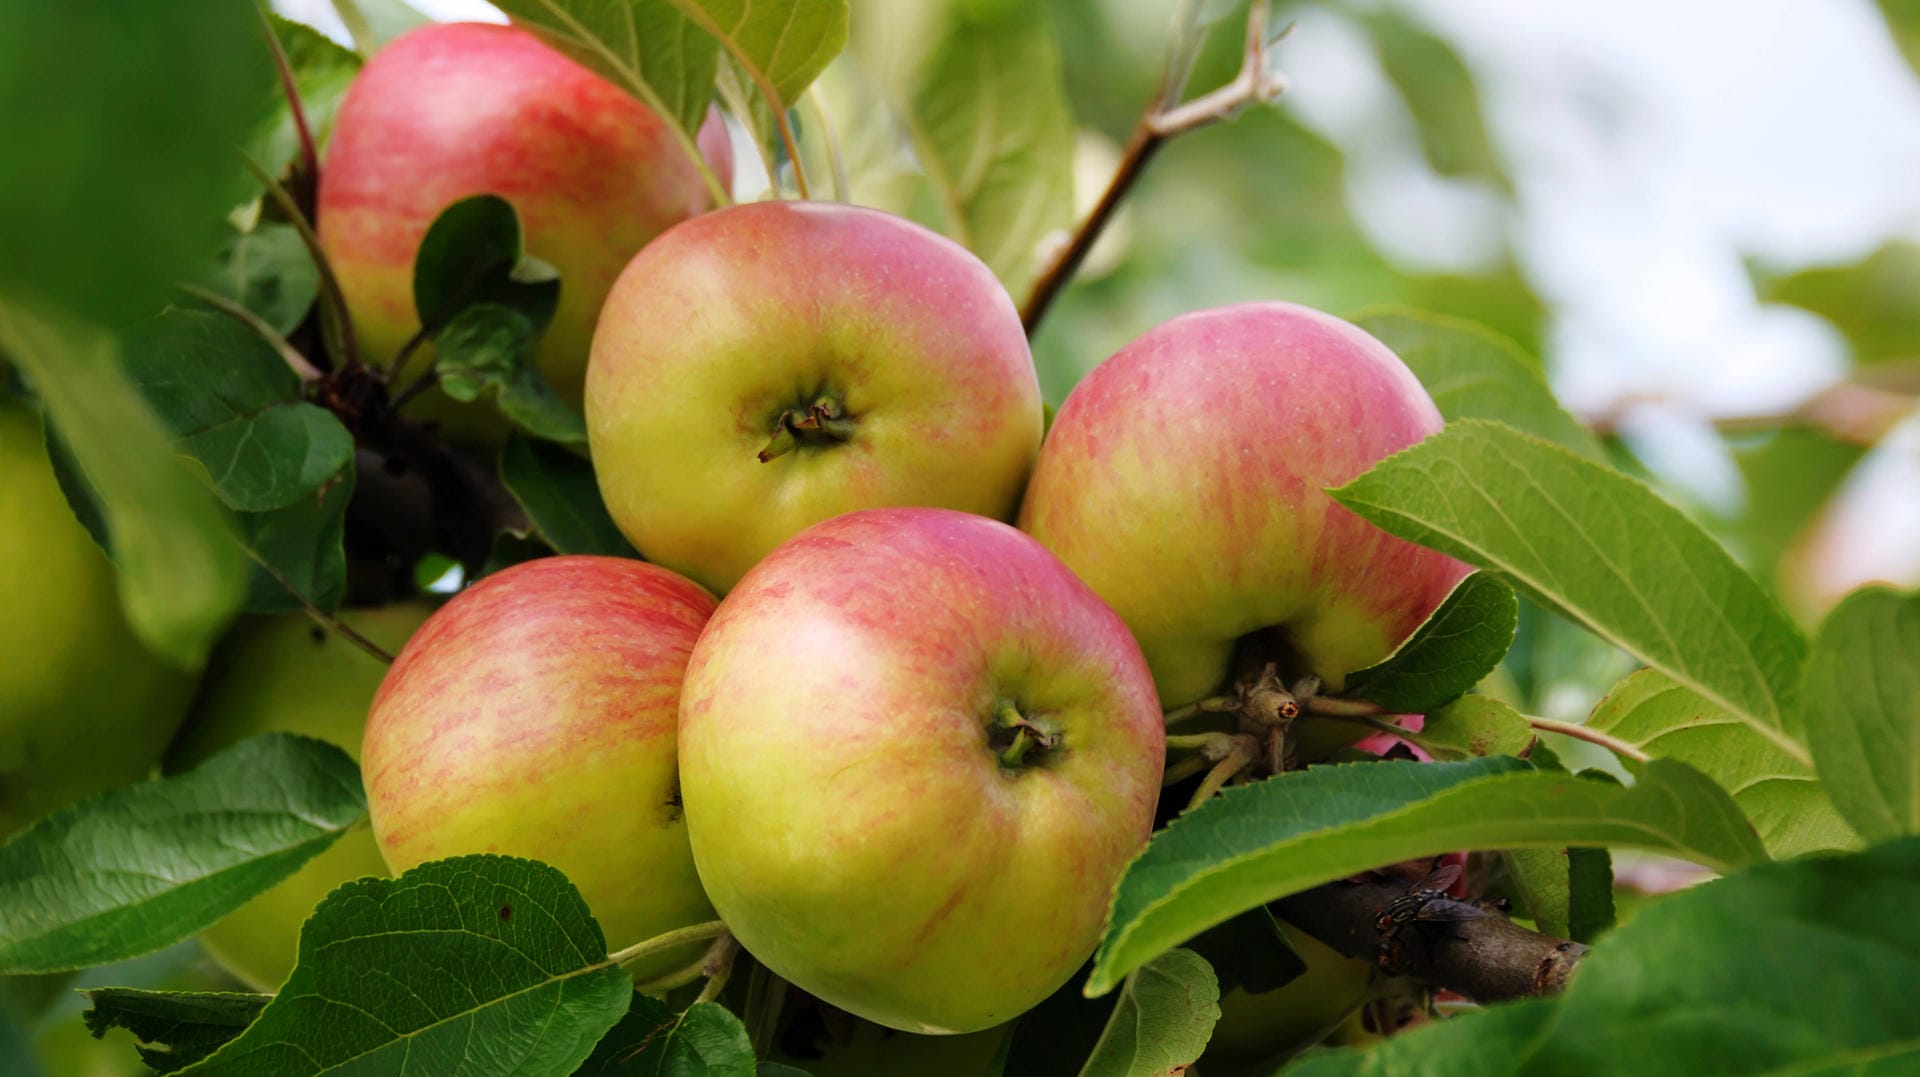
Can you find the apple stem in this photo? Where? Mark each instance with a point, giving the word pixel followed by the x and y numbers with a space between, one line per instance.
pixel 820 423
pixel 717 966
pixel 1210 705
pixel 711 929
pixel 1029 735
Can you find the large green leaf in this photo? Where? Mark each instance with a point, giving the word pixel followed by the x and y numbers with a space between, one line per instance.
pixel 705 1040
pixel 1606 551
pixel 1788 805
pixel 145 866
pixel 1453 650
pixel 1800 967
pixel 1163 1020
pixel 175 1028
pixel 783 45
pixel 181 576
pixel 1474 373
pixel 647 47
pixel 1863 710
pixel 561 498
pixel 298 552
pixel 479 965
pixel 1261 842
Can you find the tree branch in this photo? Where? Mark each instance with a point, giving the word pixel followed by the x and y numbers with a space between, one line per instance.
pixel 1162 121
pixel 1487 959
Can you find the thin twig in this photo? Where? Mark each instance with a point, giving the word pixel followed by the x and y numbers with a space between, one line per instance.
pixel 320 617
pixel 289 355
pixel 420 336
pixel 287 86
pixel 427 380
pixel 1590 735
pixel 831 141
pixel 1254 84
pixel 336 300
pixel 1335 707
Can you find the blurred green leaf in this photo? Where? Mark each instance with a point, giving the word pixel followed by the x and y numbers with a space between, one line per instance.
pixel 1799 967
pixel 143 867
pixel 703 1041
pixel 1439 91
pixel 1260 842
pixel 446 969
pixel 561 498
pixel 1789 476
pixel 175 1028
pixel 1903 22
pixel 647 47
pixel 373 23
pixel 180 574
pixel 1874 303
pixel 1787 804
pixel 1863 710
pixel 322 71
pixel 782 45
pixel 270 272
pixel 1163 1020
pixel 1603 549
pixel 1453 650
pixel 1590 903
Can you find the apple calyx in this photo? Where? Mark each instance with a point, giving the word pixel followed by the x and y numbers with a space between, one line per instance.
pixel 823 422
pixel 1020 741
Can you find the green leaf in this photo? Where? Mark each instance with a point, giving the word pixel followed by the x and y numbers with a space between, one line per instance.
pixel 270 272
pixel 489 349
pixel 298 551
pixel 474 253
pixel 1455 649
pixel 1787 804
pixel 1798 967
pixel 1163 1020
pixel 1874 303
pixel 983 104
pixel 373 23
pixel 1261 842
pixel 704 1041
pixel 180 574
pixel 1903 22
pixel 782 45
pixel 1439 91
pixel 1474 373
pixel 175 1028
pixel 142 867
pixel 1471 727
pixel 478 965
pixel 1602 549
pixel 1590 901
pixel 232 404
pixel 1863 710
pixel 1542 887
pixel 561 497
pixel 647 47
pixel 1789 476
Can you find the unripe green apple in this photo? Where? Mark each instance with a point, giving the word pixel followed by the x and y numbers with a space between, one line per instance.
pixel 533 716
pixel 768 366
pixel 84 707
pixel 288 675
pixel 1184 480
pixel 459 109
pixel 916 754
pixel 1266 1027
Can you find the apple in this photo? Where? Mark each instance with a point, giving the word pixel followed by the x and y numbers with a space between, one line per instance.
pixel 764 367
pixel 447 111
pixel 288 675
pixel 1184 480
pixel 84 706
pixel 1268 1026
pixel 533 716
pixel 916 754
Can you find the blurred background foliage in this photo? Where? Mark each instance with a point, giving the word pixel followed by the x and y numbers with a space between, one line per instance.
pixel 1703 218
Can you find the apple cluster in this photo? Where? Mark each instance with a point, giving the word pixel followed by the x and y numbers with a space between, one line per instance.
pixel 886 692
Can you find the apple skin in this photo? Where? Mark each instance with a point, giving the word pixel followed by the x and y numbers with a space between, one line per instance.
pixel 534 716
pixel 722 325
pixel 1269 1026
pixel 1184 480
pixel 84 707
pixel 288 675
pixel 850 819
pixel 447 111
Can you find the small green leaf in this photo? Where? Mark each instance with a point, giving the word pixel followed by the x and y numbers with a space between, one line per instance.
pixel 1788 805
pixel 704 1041
pixel 478 965
pixel 175 1028
pixel 1474 373
pixel 1799 967
pixel 561 497
pixel 473 253
pixel 489 348
pixel 298 551
pixel 1471 727
pixel 232 404
pixel 1261 842
pixel 782 45
pixel 270 272
pixel 1863 710
pixel 647 47
pixel 1455 649
pixel 1438 89
pixel 1602 549
pixel 140 868
pixel 1164 1018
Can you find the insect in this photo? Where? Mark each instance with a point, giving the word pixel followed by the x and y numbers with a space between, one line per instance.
pixel 1425 902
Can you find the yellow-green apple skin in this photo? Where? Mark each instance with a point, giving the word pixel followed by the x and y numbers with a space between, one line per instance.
pixel 448 111
pixel 1258 1030
pixel 288 675
pixel 725 328
pixel 84 707
pixel 1183 479
pixel 534 716
pixel 853 812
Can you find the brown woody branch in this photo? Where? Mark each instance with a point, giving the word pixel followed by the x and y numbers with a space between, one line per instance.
pixel 1487 959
